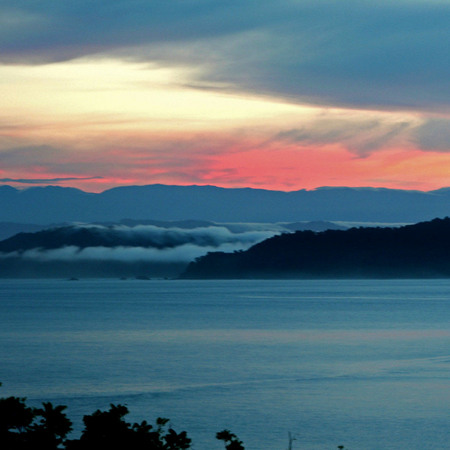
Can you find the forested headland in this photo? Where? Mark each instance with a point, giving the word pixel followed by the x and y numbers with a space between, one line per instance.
pixel 421 250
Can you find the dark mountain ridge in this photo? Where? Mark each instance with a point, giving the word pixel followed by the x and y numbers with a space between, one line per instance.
pixel 413 251
pixel 44 205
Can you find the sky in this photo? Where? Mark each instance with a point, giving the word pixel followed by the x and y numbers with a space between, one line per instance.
pixel 286 95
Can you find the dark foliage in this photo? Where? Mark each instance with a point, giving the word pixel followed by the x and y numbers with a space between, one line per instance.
pixel 231 441
pixel 25 428
pixel 108 429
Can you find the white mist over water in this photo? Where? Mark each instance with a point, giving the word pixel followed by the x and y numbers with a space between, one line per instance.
pixel 145 243
pixel 360 363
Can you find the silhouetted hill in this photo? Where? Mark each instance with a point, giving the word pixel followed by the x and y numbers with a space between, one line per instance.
pixel 8 229
pixel 44 205
pixel 420 250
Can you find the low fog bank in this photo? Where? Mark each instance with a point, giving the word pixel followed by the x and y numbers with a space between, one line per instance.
pixel 119 250
pixel 9 229
pixel 132 248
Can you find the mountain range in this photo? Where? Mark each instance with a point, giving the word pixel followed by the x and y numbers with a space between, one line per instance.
pixel 158 230
pixel 52 204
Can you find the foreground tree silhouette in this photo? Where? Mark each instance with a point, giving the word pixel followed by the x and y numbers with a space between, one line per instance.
pixel 232 442
pixel 51 428
pixel 46 428
pixel 24 428
pixel 108 429
pixel 15 420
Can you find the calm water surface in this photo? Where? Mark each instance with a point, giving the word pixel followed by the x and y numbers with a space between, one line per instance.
pixel 365 364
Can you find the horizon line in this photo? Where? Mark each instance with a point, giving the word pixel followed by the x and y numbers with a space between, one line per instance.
pixel 37 185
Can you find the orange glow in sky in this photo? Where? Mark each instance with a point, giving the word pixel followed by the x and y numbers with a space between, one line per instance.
pixel 96 124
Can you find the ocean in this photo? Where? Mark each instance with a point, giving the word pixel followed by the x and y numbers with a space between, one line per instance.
pixel 359 363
